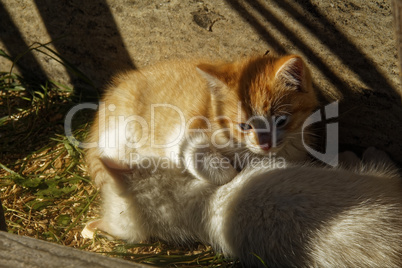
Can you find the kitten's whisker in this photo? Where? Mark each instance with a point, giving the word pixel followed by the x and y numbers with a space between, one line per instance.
pixel 286 113
pixel 305 132
pixel 283 104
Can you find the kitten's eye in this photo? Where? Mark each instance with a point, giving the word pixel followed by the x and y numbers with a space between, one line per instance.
pixel 245 127
pixel 281 121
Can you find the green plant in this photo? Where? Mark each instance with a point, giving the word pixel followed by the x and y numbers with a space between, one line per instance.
pixel 44 187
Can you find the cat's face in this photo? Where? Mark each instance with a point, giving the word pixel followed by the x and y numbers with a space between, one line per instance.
pixel 262 103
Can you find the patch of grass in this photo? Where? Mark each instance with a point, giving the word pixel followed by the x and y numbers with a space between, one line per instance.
pixel 45 190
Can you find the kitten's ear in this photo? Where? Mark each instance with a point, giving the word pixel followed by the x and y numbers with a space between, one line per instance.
pixel 217 76
pixel 293 73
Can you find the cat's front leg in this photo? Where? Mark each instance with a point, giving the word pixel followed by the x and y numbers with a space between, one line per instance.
pixel 201 159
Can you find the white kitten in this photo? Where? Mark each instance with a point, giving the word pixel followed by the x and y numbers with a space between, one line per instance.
pixel 302 216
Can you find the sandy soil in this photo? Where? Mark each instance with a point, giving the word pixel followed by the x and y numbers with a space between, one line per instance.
pixel 349 44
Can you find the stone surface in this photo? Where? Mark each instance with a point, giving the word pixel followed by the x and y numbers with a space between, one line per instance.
pixel 23 252
pixel 349 44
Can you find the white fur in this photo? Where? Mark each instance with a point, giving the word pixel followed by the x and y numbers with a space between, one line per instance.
pixel 203 161
pixel 174 140
pixel 109 143
pixel 302 216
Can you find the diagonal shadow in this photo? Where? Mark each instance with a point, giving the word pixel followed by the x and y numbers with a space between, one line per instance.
pixel 262 31
pixel 338 43
pixel 311 55
pixel 15 45
pixel 241 9
pixel 86 35
pixel 356 109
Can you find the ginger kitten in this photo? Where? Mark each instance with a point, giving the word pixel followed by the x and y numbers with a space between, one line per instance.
pixel 251 107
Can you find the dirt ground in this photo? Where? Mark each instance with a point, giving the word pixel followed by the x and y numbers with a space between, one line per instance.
pixel 349 44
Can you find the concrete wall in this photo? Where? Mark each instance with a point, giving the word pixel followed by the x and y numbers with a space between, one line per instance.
pixel 350 46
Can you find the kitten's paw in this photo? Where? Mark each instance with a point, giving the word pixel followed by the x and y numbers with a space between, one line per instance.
pixel 93 227
pixel 90 229
pixel 349 159
pixel 373 155
pixel 211 167
pixel 203 161
pixel 216 168
pixel 223 174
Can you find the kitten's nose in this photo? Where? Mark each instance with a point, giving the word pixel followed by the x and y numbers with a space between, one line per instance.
pixel 265 147
pixel 264 140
